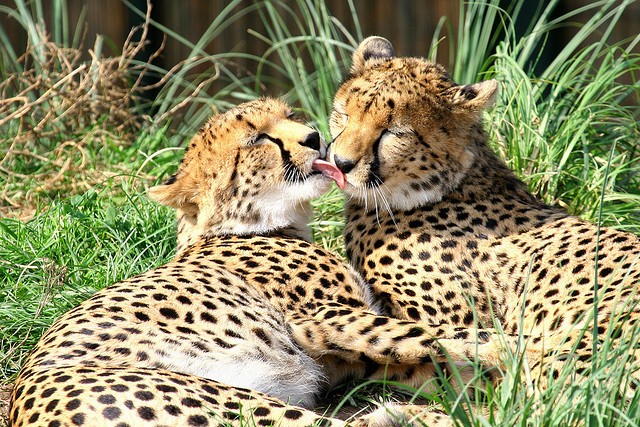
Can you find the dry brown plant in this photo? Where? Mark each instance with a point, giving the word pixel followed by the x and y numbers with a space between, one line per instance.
pixel 59 109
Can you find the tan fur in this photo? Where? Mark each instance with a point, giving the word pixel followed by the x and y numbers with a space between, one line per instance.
pixel 211 178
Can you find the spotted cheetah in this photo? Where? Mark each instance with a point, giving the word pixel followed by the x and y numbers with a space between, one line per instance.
pixel 249 322
pixel 445 233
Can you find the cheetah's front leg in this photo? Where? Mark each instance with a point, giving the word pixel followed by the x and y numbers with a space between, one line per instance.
pixel 351 335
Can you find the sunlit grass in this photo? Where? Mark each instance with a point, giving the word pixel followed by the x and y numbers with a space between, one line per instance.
pixel 53 262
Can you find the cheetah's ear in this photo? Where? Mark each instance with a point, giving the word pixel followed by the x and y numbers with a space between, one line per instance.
pixel 177 193
pixel 476 97
pixel 371 50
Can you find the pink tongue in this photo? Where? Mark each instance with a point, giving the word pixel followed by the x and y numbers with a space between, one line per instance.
pixel 329 170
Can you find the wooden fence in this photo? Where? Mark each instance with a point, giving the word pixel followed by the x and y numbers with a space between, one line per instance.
pixel 409 24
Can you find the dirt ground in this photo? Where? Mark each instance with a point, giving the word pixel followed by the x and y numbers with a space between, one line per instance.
pixel 5 392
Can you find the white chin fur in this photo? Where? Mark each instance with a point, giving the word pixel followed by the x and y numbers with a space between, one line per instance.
pixel 384 200
pixel 401 197
pixel 285 207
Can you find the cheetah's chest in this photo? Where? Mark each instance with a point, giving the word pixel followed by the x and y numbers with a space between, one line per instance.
pixel 425 267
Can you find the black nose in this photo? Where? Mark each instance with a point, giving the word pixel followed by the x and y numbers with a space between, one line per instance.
pixel 344 165
pixel 312 141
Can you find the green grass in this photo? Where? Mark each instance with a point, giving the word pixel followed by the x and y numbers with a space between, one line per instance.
pixel 61 257
pixel 566 131
pixel 570 130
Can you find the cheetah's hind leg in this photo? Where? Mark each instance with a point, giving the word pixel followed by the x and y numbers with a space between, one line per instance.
pixel 90 395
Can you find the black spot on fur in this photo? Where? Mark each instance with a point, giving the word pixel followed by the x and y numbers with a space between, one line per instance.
pixel 172 179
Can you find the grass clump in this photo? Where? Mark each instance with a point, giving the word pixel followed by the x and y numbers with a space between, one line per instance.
pixel 569 128
pixel 604 396
pixel 572 131
pixel 313 55
pixel 53 262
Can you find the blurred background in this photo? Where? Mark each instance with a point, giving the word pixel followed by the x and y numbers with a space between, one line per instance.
pixel 409 24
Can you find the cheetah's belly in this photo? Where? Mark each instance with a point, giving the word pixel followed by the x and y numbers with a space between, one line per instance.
pixel 287 374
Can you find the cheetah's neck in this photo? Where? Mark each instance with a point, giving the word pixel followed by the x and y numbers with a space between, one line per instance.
pixel 489 176
pixel 268 218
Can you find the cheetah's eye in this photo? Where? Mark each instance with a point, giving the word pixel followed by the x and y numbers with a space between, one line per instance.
pixel 259 140
pixel 337 123
pixel 293 116
pixel 399 131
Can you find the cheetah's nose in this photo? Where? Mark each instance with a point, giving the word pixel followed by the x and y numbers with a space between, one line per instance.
pixel 345 166
pixel 312 141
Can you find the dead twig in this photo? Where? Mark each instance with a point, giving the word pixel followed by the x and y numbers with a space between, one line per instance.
pixel 59 95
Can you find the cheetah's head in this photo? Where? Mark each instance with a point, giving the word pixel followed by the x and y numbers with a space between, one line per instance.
pixel 402 128
pixel 251 170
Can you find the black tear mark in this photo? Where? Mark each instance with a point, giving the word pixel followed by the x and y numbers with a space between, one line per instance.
pixel 374 179
pixel 234 174
pixel 468 92
pixel 291 172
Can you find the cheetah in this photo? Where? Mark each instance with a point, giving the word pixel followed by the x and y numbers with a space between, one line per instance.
pixel 444 232
pixel 249 321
